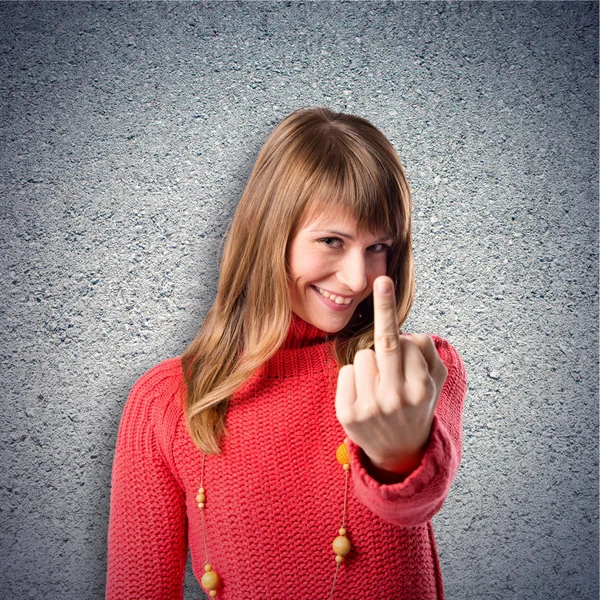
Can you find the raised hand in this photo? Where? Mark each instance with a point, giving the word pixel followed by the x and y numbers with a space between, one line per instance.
pixel 386 399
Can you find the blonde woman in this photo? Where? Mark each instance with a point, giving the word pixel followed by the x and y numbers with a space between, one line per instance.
pixel 302 443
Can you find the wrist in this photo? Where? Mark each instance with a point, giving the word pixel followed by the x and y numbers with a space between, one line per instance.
pixel 395 468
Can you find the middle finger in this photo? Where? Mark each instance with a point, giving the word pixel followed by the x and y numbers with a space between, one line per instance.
pixel 387 339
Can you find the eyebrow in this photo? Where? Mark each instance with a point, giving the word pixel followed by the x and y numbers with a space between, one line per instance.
pixel 348 236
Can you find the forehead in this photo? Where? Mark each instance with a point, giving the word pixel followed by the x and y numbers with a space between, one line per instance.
pixel 335 218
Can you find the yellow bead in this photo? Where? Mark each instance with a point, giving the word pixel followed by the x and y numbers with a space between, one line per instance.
pixel 210 580
pixel 212 593
pixel 201 490
pixel 342 454
pixel 200 498
pixel 208 567
pixel 346 467
pixel 339 558
pixel 200 504
pixel 342 531
pixel 341 545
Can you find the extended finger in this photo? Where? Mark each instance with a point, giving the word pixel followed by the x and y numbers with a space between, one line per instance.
pixel 345 395
pixel 387 338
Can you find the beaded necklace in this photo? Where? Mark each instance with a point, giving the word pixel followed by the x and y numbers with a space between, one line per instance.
pixel 341 544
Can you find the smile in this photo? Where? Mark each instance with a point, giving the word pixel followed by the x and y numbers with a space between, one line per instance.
pixel 333 300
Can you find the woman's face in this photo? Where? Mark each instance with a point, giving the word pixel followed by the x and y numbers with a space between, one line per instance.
pixel 329 254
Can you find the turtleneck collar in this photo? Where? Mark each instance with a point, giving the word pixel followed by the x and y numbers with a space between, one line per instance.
pixel 301 333
pixel 306 351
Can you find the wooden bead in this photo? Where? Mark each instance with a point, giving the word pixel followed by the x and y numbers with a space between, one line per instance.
pixel 210 580
pixel 341 545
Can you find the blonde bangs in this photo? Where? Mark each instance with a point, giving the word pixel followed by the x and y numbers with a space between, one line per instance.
pixel 351 180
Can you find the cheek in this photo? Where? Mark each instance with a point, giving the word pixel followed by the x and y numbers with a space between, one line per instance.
pixel 306 266
pixel 294 260
pixel 378 267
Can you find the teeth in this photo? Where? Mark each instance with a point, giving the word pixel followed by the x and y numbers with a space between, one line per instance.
pixel 336 299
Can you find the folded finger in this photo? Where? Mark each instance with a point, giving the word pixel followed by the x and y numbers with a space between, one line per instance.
pixel 437 368
pixel 345 395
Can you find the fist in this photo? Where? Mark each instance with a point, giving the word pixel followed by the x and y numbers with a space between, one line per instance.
pixel 386 399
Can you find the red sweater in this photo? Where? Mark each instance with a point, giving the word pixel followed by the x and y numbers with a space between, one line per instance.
pixel 275 495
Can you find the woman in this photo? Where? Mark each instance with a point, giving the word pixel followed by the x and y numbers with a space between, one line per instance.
pixel 301 444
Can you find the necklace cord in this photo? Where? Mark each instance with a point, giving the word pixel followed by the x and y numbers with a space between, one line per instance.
pixel 341 545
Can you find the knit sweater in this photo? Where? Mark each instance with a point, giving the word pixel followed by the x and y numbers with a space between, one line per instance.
pixel 275 495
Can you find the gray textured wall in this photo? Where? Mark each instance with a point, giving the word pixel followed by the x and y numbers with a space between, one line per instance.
pixel 129 131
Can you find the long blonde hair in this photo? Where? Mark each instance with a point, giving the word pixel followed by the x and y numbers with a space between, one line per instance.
pixel 314 158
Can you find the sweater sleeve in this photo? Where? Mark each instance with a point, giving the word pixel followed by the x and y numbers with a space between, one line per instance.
pixel 147 542
pixel 421 495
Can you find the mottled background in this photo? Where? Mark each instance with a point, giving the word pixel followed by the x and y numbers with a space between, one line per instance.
pixel 128 134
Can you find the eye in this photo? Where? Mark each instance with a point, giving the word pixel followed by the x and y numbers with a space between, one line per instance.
pixel 326 241
pixel 377 248
pixel 380 248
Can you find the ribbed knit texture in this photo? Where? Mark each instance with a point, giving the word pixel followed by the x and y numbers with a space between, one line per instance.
pixel 275 495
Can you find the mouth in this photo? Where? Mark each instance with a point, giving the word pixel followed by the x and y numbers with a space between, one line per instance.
pixel 332 300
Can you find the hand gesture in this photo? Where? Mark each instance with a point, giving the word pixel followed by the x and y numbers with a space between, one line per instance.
pixel 386 399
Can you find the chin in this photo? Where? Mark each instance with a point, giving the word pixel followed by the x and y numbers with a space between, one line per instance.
pixel 332 325
pixel 332 329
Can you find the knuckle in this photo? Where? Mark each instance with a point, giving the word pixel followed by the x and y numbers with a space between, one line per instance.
pixel 361 415
pixel 443 371
pixel 364 351
pixel 422 389
pixel 424 338
pixel 345 417
pixel 388 342
pixel 391 406
pixel 346 368
pixel 429 387
pixel 363 354
pixel 423 341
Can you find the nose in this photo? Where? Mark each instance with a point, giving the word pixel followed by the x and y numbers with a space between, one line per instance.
pixel 352 273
